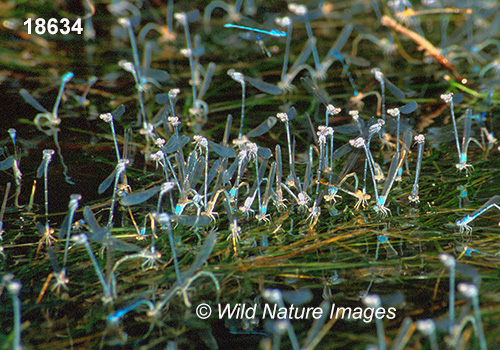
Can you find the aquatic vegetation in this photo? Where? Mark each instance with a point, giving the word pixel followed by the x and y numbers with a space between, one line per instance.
pixel 308 251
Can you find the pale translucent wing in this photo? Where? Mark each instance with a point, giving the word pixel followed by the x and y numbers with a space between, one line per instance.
pixel 117 113
pixel 203 254
pixel 106 183
pixel 41 168
pixel 264 152
pixel 192 16
pixel 139 197
pixel 409 108
pixel 467 131
pixel 304 55
pixel 206 80
pixel 159 75
pixel 314 90
pixel 31 100
pixel 176 143
pixel 400 95
pixel 297 297
pixel 221 150
pixel 192 220
pixel 458 98
pixel 292 113
pixel 263 86
pixel 214 170
pixel 263 127
pixel 342 38
pixel 7 163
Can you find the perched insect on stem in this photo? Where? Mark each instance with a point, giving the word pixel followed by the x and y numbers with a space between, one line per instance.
pixel 396 112
pixel 396 165
pixel 384 82
pixel 463 224
pixel 184 19
pixel 286 118
pixel 82 239
pixel 108 118
pixel 43 170
pixel 48 122
pixel 450 99
pixel 466 139
pixel 116 175
pixel 272 32
pixel 420 140
pixel 72 206
pixel 306 16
